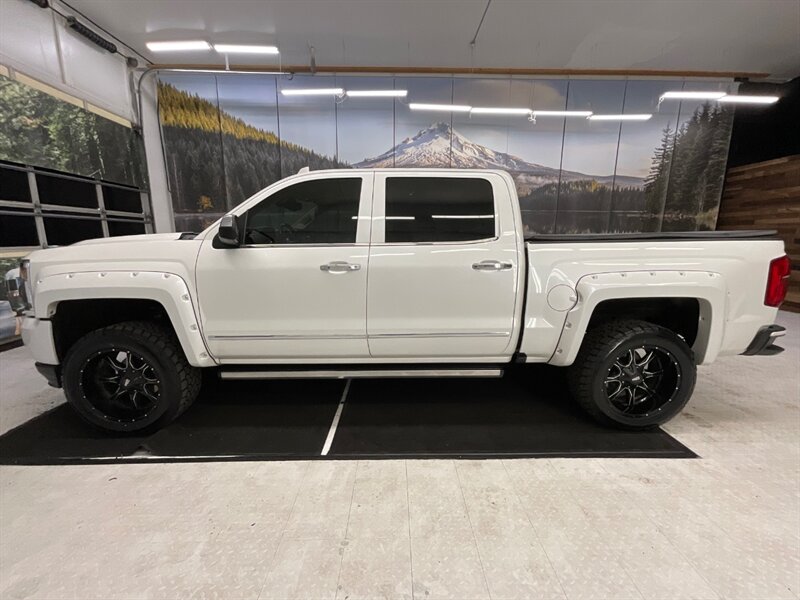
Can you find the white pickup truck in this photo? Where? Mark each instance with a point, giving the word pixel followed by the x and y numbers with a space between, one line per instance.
pixel 394 273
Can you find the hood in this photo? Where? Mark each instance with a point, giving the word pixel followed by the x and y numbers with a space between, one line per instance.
pixel 123 239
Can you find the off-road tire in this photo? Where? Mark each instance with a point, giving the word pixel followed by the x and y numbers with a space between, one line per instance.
pixel 600 348
pixel 179 381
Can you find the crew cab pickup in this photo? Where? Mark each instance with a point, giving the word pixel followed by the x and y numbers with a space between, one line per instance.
pixel 394 273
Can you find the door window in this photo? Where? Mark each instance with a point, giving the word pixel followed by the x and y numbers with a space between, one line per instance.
pixel 320 211
pixel 438 209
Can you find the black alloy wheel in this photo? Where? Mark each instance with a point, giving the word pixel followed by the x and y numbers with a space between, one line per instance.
pixel 129 377
pixel 642 381
pixel 120 385
pixel 632 374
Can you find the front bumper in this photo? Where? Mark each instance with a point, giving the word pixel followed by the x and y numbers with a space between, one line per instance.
pixel 763 341
pixel 37 334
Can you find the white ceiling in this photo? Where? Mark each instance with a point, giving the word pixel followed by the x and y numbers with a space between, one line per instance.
pixel 694 35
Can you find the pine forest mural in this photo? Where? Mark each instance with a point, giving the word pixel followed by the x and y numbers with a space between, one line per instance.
pixel 40 130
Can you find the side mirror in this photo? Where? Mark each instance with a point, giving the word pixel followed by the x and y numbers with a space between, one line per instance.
pixel 228 233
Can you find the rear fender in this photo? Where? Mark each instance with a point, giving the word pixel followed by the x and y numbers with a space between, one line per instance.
pixel 707 287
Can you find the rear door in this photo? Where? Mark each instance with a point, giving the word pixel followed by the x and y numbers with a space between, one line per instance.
pixel 443 267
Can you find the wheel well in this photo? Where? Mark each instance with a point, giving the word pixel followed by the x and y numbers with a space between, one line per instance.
pixel 75 318
pixel 680 315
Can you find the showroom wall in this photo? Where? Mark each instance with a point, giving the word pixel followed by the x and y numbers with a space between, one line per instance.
pixel 228 135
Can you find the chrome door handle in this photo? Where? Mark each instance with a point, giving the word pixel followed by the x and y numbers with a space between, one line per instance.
pixel 339 266
pixel 492 265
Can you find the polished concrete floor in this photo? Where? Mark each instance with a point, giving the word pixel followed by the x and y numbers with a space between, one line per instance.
pixel 726 525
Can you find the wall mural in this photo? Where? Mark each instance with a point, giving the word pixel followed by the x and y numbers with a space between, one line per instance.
pixel 40 130
pixel 227 136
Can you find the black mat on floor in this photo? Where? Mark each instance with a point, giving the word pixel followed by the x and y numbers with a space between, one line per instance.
pixel 525 414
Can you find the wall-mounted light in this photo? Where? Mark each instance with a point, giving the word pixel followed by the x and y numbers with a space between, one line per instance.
pixel 244 49
pixel 440 107
pixel 749 99
pixel 631 117
pixel 486 110
pixel 313 92
pixel 562 113
pixel 178 46
pixel 377 93
pixel 688 95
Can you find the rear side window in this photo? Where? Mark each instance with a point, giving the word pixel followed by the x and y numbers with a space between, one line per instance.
pixel 438 209
pixel 322 211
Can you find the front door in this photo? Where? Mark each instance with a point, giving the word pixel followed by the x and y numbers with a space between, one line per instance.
pixel 296 289
pixel 444 272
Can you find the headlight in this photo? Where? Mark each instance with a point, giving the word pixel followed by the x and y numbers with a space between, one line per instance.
pixel 19 287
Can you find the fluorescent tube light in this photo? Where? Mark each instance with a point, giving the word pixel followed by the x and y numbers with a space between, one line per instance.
pixel 377 93
pixel 749 99
pixel 178 46
pixel 631 117
pixel 313 92
pixel 681 95
pixel 243 49
pixel 443 107
pixel 483 110
pixel 562 113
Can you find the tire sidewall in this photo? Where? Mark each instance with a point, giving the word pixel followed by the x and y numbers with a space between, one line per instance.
pixel 669 342
pixel 101 341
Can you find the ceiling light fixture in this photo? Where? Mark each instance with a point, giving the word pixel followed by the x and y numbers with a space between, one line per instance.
pixel 483 110
pixel 749 99
pixel 377 93
pixel 313 92
pixel 562 113
pixel 681 95
pixel 442 107
pixel 244 49
pixel 178 46
pixel 631 117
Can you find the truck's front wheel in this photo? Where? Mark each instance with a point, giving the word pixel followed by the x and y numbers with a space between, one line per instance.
pixel 129 377
pixel 633 374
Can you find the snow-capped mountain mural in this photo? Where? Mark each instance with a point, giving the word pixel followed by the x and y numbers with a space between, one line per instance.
pixel 441 145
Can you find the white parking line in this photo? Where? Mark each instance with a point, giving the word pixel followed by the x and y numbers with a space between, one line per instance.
pixel 335 423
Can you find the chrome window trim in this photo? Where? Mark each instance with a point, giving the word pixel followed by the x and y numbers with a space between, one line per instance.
pixel 320 245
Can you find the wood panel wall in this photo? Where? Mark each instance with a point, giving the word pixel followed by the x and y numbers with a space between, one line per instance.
pixel 766 195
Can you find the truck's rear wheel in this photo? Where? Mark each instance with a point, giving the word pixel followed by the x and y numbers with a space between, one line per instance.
pixel 633 374
pixel 129 377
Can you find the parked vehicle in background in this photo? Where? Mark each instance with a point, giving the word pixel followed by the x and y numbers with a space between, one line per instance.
pixel 394 273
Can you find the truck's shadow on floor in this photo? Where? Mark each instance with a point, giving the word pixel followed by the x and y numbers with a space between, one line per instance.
pixel 527 413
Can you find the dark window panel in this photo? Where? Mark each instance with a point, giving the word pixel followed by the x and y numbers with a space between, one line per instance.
pixel 62 231
pixel 116 198
pixel 14 185
pixel 66 192
pixel 438 209
pixel 17 229
pixel 125 228
pixel 324 211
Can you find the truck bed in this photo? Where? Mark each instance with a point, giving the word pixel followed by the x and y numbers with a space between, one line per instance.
pixel 752 234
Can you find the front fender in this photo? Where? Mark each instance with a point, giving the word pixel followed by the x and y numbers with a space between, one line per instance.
pixel 707 287
pixel 168 289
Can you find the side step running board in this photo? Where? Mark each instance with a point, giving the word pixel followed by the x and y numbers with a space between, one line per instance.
pixel 358 373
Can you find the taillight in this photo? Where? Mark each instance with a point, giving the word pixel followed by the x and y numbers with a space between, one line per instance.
pixel 778 281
